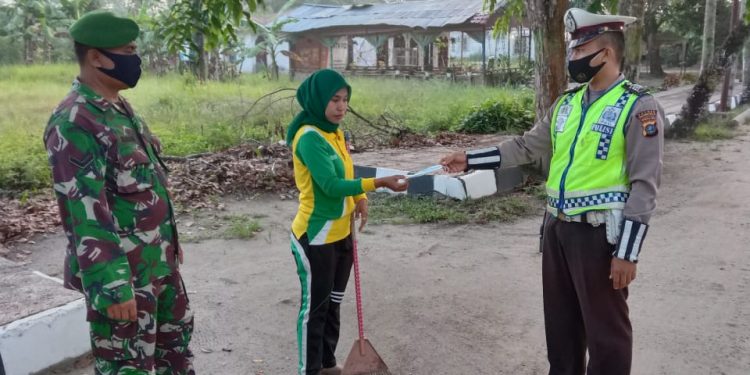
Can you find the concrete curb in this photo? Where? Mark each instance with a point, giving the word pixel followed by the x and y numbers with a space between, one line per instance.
pixel 36 342
pixel 742 118
pixel 734 101
pixel 473 185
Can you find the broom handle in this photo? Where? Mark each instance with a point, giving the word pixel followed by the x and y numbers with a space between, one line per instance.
pixel 358 292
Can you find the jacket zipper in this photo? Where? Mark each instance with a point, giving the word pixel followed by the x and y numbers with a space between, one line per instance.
pixel 585 108
pixel 561 202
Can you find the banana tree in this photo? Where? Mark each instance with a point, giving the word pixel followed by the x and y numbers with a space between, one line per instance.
pixel 268 43
pixel 34 22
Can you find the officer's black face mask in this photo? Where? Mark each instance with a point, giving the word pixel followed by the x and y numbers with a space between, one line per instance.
pixel 580 70
pixel 127 68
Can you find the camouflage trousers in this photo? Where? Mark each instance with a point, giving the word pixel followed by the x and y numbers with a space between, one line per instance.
pixel 155 344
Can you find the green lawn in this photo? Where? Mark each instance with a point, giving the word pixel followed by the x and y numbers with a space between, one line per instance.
pixel 190 117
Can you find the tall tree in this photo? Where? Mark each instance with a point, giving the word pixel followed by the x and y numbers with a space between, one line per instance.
pixel 633 35
pixel 204 25
pixel 548 29
pixel 709 30
pixel 685 20
pixel 656 14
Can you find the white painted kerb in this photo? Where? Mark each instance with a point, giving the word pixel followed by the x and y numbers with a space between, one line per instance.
pixel 45 339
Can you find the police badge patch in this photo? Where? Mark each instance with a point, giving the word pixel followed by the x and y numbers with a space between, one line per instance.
pixel 648 122
pixel 609 116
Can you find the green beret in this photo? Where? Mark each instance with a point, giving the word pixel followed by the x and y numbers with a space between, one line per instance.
pixel 104 30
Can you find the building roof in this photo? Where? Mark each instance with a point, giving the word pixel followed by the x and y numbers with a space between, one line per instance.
pixel 411 14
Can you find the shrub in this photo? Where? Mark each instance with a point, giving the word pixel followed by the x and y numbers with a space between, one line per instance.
pixel 492 116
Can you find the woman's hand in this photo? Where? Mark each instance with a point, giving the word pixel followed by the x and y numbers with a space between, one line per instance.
pixel 360 212
pixel 395 183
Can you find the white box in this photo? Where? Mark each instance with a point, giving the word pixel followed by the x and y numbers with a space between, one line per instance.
pixel 449 186
pixel 480 184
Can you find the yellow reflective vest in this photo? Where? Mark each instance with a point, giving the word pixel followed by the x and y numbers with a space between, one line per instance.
pixel 587 170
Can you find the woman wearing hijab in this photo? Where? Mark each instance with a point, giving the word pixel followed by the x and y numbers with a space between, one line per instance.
pixel 321 234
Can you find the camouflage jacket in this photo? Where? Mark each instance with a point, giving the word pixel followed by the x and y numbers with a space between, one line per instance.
pixel 111 188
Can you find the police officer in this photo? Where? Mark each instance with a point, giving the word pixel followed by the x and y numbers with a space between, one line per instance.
pixel 603 141
pixel 111 188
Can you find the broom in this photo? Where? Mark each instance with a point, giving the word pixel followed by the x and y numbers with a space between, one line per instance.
pixel 362 359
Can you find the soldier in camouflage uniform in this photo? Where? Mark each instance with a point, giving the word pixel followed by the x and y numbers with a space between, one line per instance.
pixel 111 186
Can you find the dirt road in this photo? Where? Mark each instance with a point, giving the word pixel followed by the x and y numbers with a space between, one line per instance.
pixel 467 299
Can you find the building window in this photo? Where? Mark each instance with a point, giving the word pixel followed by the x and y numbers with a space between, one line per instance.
pixel 405 56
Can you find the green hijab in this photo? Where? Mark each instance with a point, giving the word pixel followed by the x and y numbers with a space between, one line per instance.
pixel 313 96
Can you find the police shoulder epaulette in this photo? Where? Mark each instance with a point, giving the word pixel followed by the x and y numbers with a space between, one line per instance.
pixel 574 89
pixel 635 88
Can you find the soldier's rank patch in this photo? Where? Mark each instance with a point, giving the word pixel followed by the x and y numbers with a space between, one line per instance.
pixel 81 163
pixel 648 122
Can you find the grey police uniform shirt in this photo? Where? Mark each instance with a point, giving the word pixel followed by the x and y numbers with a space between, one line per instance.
pixel 644 153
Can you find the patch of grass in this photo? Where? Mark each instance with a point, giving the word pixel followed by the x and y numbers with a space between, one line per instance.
pixel 387 209
pixel 242 227
pixel 715 128
pixel 190 117
pixel 707 132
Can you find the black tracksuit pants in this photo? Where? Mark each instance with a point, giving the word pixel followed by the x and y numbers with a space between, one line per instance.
pixel 323 272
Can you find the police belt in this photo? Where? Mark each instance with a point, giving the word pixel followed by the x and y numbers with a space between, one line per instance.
pixel 594 218
pixel 572 219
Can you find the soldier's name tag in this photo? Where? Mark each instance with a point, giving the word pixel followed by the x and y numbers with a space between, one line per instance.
pixel 604 129
pixel 609 116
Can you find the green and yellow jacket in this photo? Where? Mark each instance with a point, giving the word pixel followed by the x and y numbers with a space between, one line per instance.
pixel 324 174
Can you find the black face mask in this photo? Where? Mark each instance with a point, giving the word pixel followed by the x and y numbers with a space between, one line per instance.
pixel 581 71
pixel 127 68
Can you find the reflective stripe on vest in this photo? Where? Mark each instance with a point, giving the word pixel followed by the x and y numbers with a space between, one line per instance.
pixel 587 171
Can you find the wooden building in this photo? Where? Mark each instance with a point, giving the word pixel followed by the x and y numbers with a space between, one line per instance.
pixel 403 38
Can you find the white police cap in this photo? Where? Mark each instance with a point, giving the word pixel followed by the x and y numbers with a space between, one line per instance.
pixel 584 26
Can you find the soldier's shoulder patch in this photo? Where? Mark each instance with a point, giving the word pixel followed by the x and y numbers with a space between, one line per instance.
pixel 648 122
pixel 635 88
pixel 574 89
